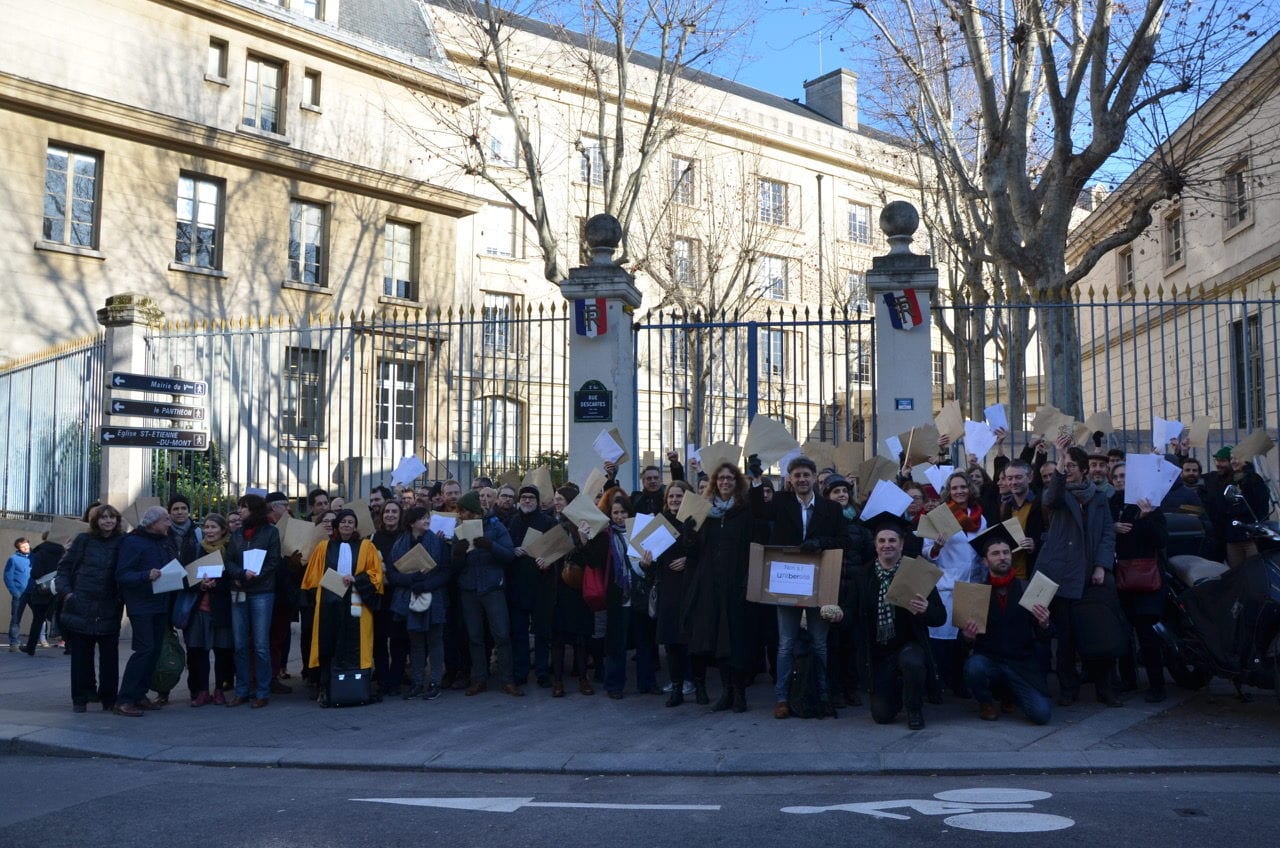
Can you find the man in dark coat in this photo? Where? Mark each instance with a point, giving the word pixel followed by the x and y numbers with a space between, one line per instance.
pixel 651 497
pixel 522 590
pixel 1079 549
pixel 1004 653
pixel 799 519
pixel 142 554
pixel 897 638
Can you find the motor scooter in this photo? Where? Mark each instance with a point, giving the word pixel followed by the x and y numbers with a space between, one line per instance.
pixel 1225 622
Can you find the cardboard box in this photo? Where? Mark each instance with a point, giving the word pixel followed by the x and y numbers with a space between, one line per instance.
pixel 790 577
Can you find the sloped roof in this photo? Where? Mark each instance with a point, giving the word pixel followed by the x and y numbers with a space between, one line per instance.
pixel 396 23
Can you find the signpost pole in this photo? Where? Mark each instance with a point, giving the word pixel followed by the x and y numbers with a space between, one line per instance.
pixel 127 318
pixel 602 368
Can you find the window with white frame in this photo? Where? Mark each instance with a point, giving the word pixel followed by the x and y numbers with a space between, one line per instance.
pixel 1125 278
pixel 397 400
pixel 1239 210
pixel 773 202
pixel 771 272
pixel 399 244
pixel 682 181
pixel 311 8
pixel 502 139
pixel 859 364
pixel 497 316
pixel 591 161
pixel 71 186
pixel 939 360
pixel 679 350
pixel 199 221
pixel 263 89
pixel 675 427
pixel 495 430
pixel 858 301
pixel 1173 238
pixel 499 230
pixel 684 262
pixel 302 407
pixel 772 353
pixel 859 223
pixel 306 243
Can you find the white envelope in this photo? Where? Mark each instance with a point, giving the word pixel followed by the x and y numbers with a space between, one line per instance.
pixel 885 497
pixel 253 560
pixel 409 469
pixel 978 439
pixel 996 417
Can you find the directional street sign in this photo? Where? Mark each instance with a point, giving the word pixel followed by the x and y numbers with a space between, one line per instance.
pixel 135 437
pixel 153 383
pixel 157 409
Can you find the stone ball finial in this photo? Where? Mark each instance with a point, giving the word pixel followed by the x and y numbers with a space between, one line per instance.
pixel 899 221
pixel 604 234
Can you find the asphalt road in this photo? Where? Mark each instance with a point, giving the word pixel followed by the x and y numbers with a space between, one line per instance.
pixel 55 802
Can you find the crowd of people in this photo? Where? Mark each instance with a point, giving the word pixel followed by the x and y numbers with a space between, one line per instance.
pixel 489 615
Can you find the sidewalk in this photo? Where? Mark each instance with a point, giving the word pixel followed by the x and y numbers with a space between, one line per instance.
pixel 492 732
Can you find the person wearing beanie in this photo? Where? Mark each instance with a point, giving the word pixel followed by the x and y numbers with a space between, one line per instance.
pixel 143 553
pixel 522 591
pixel 482 566
pixel 859 553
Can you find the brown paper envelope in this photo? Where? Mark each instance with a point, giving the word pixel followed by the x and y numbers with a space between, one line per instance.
pixel 944 520
pixel 415 559
pixel 302 536
pixel 647 458
pixel 1039 591
pixel 714 455
pixel 950 422
pixel 364 518
pixel 822 453
pixel 530 536
pixel 469 530
pixel 134 512
pixel 541 478
pixel 914 577
pixel 549 546
pixel 925 529
pixel 1198 432
pixel 768 439
pixel 970 602
pixel 918 473
pixel 64 530
pixel 657 521
pixel 192 567
pixel 1100 420
pixel 1257 443
pixel 847 456
pixel 1015 530
pixel 871 471
pixel 581 509
pixel 511 478
pixel 617 437
pixel 332 581
pixel 1051 422
pixel 693 506
pixel 594 484
pixel 921 443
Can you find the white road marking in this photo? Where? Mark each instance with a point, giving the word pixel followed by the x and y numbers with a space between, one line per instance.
pixel 510 805
pixel 992 795
pixel 1009 822
pixel 924 806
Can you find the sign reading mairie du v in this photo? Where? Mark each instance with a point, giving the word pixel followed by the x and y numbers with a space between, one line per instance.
pixel 157 409
pixel 153 383
pixel 140 437
pixel 592 403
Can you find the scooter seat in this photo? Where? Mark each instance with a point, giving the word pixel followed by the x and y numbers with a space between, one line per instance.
pixel 1191 570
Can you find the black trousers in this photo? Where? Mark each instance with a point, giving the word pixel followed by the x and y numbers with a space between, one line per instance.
pixel 148 636
pixel 82 668
pixel 897 679
pixel 1096 670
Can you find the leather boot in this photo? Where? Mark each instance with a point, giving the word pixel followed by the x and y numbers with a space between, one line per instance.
pixel 739 692
pixel 726 693
pixel 700 695
pixel 676 698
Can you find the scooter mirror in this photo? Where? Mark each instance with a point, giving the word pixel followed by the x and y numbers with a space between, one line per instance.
pixel 1232 493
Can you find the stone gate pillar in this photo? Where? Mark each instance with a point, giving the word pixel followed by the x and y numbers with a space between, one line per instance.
pixel 602 367
pixel 902 286
pixel 127 318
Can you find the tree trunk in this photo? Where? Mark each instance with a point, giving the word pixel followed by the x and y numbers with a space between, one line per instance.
pixel 1017 337
pixel 1060 349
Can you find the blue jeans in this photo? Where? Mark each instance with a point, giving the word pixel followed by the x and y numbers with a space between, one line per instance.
pixel 982 672
pixel 15 622
pixel 788 628
pixel 148 635
pixel 251 621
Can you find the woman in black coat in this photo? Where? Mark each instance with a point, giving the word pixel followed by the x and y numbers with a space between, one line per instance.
pixel 560 615
pixel 91 608
pixel 1141 533
pixel 716 613
pixel 672 577
pixel 44 561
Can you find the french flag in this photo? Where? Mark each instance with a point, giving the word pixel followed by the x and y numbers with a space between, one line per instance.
pixel 904 309
pixel 591 317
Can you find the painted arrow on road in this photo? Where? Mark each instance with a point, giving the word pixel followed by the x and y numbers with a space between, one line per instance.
pixel 510 805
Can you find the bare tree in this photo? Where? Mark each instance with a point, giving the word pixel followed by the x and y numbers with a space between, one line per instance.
pixel 600 81
pixel 1056 88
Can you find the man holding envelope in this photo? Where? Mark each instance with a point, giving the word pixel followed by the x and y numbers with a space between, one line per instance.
pixel 897 637
pixel 1004 646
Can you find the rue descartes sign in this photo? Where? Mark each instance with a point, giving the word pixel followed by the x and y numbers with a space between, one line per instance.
pixel 592 403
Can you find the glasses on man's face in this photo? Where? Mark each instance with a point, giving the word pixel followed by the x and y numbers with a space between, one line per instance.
pixel 724 477
pixel 1067 465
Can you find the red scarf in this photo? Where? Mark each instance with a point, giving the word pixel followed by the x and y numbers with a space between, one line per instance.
pixel 1001 587
pixel 970 518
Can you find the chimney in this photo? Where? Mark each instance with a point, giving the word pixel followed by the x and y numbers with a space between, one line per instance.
pixel 834 96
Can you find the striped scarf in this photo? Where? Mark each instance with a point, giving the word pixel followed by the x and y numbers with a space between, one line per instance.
pixel 884 609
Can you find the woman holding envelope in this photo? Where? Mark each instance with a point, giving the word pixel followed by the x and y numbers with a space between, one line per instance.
pixel 251 560
pixel 208 625
pixel 91 606
pixel 560 613
pixel 343 623
pixel 1141 537
pixel 390 641
pixel 410 590
pixel 951 551
pixel 672 579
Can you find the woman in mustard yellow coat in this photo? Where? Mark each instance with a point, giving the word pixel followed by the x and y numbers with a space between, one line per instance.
pixel 343 626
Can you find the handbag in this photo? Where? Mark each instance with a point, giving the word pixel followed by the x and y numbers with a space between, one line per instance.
pixel 595 586
pixel 1140 574
pixel 352 687
pixel 1098 625
pixel 571 574
pixel 169 667
pixel 182 608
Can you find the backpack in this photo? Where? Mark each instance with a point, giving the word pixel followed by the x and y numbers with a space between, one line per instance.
pixel 169 667
pixel 804 694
